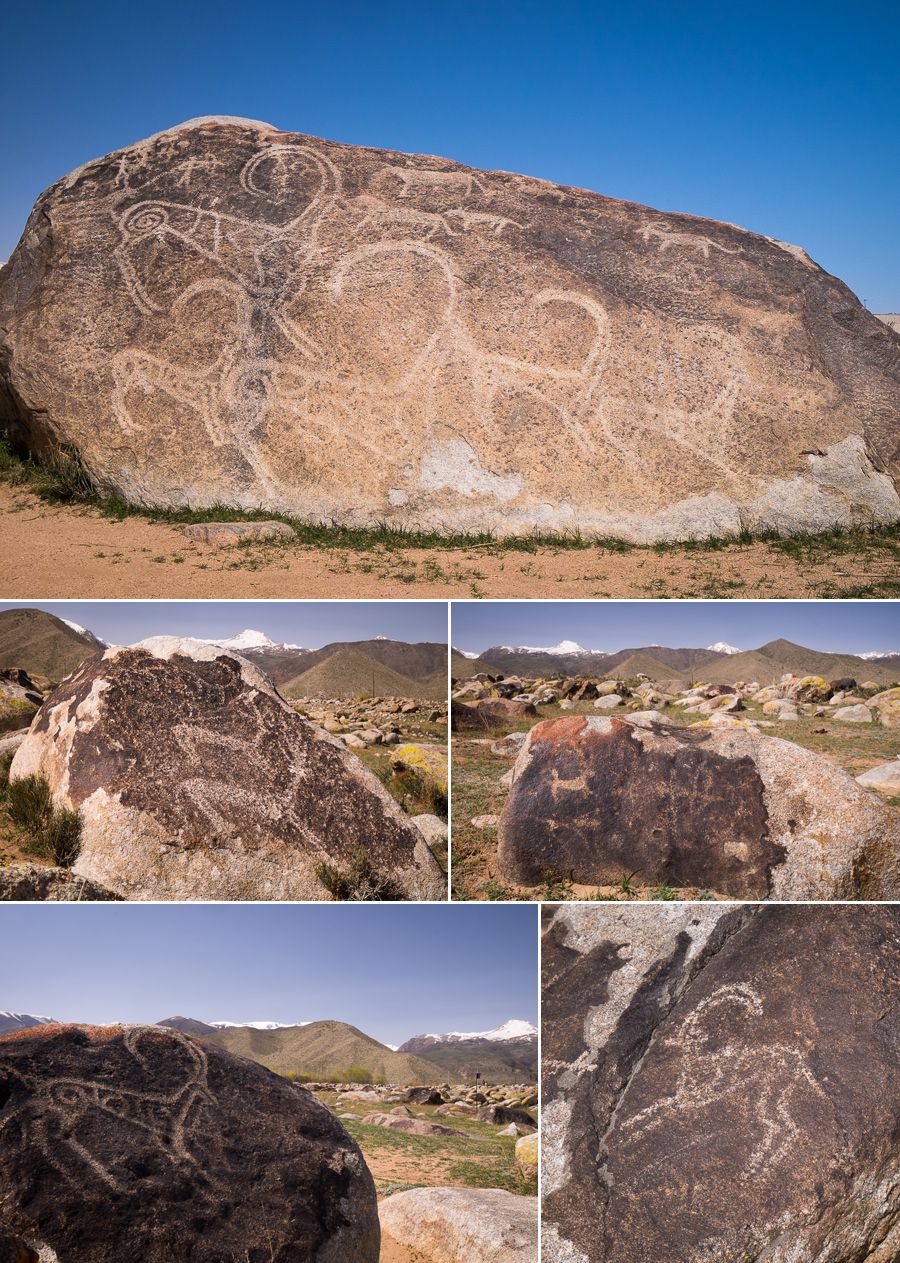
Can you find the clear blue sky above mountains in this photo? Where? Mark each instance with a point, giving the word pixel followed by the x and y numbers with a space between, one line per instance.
pixel 392 971
pixel 782 118
pixel 310 623
pixel 832 626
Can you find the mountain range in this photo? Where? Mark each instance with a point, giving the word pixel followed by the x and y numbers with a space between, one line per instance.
pixel 328 1049
pixel 45 645
pixel 718 663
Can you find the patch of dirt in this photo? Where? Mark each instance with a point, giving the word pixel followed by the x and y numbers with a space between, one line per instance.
pixel 65 551
pixel 392 1252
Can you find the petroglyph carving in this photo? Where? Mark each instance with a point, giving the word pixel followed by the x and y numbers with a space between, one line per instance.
pixel 711 1074
pixel 477 219
pixel 52 1115
pixel 416 180
pixel 688 240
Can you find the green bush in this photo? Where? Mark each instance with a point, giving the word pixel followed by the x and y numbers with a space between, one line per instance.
pixel 5 764
pixel 61 836
pixel 359 881
pixel 30 802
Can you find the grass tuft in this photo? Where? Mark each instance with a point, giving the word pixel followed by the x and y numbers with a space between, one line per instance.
pixel 358 881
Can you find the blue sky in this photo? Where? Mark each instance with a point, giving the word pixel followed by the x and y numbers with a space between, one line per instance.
pixel 834 626
pixel 393 971
pixel 782 118
pixel 309 623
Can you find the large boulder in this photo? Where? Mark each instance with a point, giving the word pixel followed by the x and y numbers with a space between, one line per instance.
pixel 721 1084
pixel 347 334
pixel 143 1143
pixel 462 1225
pixel 728 810
pixel 412 1126
pixel 195 779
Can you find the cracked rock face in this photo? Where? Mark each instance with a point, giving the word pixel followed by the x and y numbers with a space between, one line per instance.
pixel 142 1143
pixel 731 810
pixel 347 334
pixel 195 779
pixel 721 1084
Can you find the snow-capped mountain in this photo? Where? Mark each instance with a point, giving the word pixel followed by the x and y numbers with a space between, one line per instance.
pixel 564 646
pixel 259 1026
pixel 506 1053
pixel 10 1022
pixel 467 653
pixel 878 653
pixel 248 639
pixel 84 631
pixel 721 646
pixel 513 1029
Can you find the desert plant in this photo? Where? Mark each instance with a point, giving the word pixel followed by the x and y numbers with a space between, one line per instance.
pixel 30 802
pixel 5 764
pixel 359 881
pixel 61 836
pixel 626 884
pixel 356 1074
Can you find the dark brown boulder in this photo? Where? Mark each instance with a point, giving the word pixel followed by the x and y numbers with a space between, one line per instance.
pixel 732 811
pixel 503 1114
pixel 142 1143
pixel 721 1084
pixel 195 779
pixel 845 684
pixel 423 1096
pixel 490 712
pixel 267 319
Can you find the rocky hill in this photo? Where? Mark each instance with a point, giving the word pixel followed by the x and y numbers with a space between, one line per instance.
pixel 508 1054
pixel 412 661
pixel 21 1022
pixel 766 664
pixel 442 347
pixel 42 644
pixel 325 1049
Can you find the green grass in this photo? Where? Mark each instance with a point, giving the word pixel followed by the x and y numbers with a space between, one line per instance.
pixel 61 478
pixel 51 832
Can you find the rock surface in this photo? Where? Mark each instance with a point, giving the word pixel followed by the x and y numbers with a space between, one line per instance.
pixel 19 699
pixel 27 883
pixel 463 1225
pixel 358 335
pixel 142 1143
pixel 721 1084
pixel 195 779
pixel 730 810
pixel 412 1126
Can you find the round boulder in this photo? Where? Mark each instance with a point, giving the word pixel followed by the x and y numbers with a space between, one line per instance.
pixel 729 810
pixel 143 1143
pixel 195 779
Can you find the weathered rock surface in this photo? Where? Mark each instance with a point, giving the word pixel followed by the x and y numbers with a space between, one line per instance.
pixel 195 779
pixel 721 1084
pixel 528 1156
pixel 20 883
pixel 141 1143
pixel 463 1225
pixel 729 810
pixel 269 319
pixel 500 1114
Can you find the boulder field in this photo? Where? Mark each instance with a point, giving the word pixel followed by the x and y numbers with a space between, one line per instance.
pixel 226 313
pixel 195 779
pixel 721 1084
pixel 142 1143
pixel 730 810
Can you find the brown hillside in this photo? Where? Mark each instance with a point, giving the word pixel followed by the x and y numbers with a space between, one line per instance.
pixel 349 672
pixel 768 663
pixel 326 1049
pixel 41 643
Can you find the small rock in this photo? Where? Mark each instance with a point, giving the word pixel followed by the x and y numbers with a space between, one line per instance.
pixel 230 534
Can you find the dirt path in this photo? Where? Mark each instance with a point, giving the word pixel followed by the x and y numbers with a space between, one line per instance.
pixel 53 552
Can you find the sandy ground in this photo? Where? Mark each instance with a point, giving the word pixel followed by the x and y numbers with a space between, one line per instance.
pixel 53 552
pixel 391 1252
